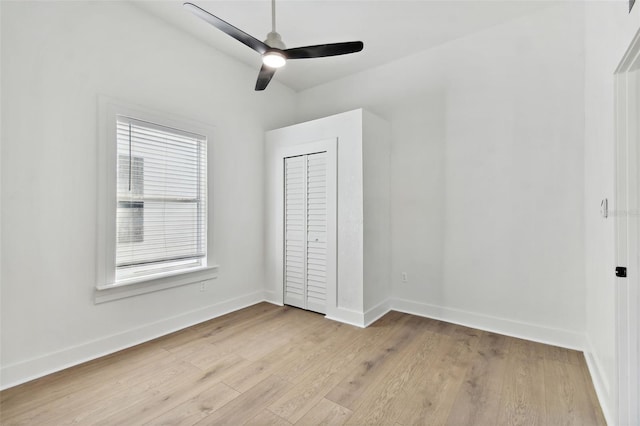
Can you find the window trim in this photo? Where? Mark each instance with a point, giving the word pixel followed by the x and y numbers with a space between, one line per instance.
pixel 200 276
pixel 106 287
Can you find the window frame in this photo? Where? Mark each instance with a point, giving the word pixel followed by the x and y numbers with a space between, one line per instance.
pixel 106 287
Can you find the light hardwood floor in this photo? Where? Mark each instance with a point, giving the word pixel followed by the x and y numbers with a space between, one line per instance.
pixel 269 365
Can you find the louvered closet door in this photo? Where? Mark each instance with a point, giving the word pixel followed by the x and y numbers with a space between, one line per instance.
pixel 316 273
pixel 294 228
pixel 305 232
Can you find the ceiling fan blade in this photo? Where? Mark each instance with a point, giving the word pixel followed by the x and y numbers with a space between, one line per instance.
pixel 322 50
pixel 264 77
pixel 229 29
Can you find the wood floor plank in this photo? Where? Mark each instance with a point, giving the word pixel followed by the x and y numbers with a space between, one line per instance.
pixel 326 412
pixel 591 393
pixel 478 398
pixel 249 404
pixel 384 401
pixel 314 385
pixel 321 346
pixel 271 340
pixel 566 405
pixel 267 418
pixel 347 393
pixel 563 355
pixel 79 407
pixel 196 408
pixel 287 321
pixel 523 400
pixel 49 390
pixel 175 339
pixel 433 392
pixel 432 404
pixel 290 360
pixel 258 312
pixel 280 365
pixel 145 406
pixel 220 340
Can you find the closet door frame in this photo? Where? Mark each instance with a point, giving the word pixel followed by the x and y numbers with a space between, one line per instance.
pixel 330 146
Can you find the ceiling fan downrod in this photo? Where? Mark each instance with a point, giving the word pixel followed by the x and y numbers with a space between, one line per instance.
pixel 273 38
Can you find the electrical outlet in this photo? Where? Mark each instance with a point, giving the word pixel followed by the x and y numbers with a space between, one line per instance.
pixel 405 278
pixel 203 286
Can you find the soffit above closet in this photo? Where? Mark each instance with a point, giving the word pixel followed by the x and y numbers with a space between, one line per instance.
pixel 389 29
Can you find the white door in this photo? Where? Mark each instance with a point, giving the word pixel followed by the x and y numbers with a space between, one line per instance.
pixel 305 231
pixel 628 234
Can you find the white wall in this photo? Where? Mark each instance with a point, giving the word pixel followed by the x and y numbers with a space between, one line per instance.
pixel 376 171
pixel 418 162
pixel 609 29
pixel 497 121
pixel 56 58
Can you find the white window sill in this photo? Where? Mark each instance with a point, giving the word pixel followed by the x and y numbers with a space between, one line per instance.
pixel 107 293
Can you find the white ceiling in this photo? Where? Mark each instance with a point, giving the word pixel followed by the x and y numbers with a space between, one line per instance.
pixel 389 29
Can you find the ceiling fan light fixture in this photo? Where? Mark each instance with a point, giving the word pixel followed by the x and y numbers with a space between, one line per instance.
pixel 274 59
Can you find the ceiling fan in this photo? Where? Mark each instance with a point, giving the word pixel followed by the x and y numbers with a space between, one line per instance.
pixel 274 52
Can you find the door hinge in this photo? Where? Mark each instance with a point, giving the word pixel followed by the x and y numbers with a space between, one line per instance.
pixel 621 271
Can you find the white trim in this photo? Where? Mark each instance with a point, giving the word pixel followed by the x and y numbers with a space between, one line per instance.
pixel 347 316
pixel 627 204
pixel 24 371
pixel 599 380
pixel 273 298
pixel 536 333
pixel 156 277
pixel 377 312
pixel 150 284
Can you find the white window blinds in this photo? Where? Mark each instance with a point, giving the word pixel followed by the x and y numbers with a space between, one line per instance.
pixel 161 199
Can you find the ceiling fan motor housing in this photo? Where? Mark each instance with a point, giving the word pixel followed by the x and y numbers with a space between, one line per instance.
pixel 274 40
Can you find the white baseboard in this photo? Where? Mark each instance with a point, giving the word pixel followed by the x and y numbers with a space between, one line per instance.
pixel 347 316
pixel 24 371
pixel 273 297
pixel 600 382
pixel 375 313
pixel 552 336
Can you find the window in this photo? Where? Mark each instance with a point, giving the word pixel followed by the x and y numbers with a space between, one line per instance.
pixel 130 213
pixel 152 205
pixel 161 199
